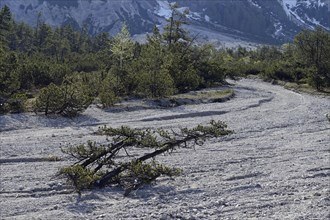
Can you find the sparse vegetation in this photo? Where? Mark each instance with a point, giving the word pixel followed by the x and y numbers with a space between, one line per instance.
pixel 109 68
pixel 114 164
pixel 68 99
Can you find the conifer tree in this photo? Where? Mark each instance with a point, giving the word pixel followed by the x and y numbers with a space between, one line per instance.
pixel 5 25
pixel 173 31
pixel 122 46
pixel 313 48
pixel 154 79
pixel 112 164
pixel 178 57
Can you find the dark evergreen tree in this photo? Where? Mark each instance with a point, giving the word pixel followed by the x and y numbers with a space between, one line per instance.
pixel 5 26
pixel 154 80
pixel 313 48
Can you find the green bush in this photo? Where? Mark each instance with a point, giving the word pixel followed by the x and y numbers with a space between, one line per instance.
pixel 17 103
pixel 106 92
pixel 313 50
pixel 35 73
pixel 279 70
pixel 211 72
pixel 315 80
pixel 9 77
pixel 86 63
pixel 155 84
pixel 108 164
pixel 14 104
pixel 79 177
pixel 50 99
pixel 68 99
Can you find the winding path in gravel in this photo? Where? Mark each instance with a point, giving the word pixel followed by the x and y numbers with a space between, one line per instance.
pixel 275 166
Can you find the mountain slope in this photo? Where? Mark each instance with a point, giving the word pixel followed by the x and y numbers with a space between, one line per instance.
pixel 250 20
pixel 262 20
pixel 308 13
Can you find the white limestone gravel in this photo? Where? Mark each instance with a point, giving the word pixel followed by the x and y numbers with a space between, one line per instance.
pixel 275 166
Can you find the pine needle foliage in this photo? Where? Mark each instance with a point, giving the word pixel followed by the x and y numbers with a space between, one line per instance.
pixel 79 177
pixel 68 99
pixel 120 162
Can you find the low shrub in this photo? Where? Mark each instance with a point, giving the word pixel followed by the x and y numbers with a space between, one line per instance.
pixel 68 99
pixel 101 165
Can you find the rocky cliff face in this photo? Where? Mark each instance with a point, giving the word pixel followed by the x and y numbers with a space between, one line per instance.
pixel 250 20
pixel 260 20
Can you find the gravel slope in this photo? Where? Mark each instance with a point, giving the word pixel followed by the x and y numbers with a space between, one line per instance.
pixel 275 166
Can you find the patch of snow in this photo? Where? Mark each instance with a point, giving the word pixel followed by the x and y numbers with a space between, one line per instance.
pixel 254 4
pixel 312 3
pixel 164 9
pixel 300 20
pixel 194 16
pixel 288 5
pixel 317 3
pixel 316 23
pixel 308 3
pixel 278 29
pixel 207 18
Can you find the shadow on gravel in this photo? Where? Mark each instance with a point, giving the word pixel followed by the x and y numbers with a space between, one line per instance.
pixel 245 187
pixel 38 192
pixel 250 175
pixel 85 203
pixel 260 102
pixel 29 160
pixel 11 122
pixel 189 115
pixel 120 109
pixel 318 175
pixel 317 169
pixel 245 88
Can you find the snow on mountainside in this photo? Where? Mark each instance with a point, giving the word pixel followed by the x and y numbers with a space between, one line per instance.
pixel 249 20
pixel 308 13
pixel 260 19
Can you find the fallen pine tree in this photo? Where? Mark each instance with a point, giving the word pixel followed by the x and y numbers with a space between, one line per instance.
pixel 112 163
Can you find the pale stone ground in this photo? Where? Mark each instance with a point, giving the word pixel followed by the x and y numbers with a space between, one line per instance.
pixel 275 166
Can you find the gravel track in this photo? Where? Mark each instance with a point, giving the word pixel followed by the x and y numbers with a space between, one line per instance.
pixel 275 166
